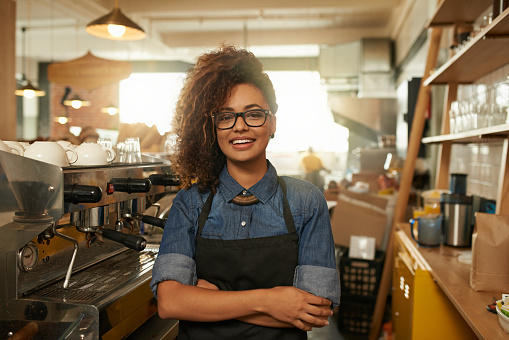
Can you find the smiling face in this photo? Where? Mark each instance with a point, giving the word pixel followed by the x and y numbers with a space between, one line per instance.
pixel 244 145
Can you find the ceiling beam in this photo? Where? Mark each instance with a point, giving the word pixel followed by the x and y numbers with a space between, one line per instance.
pixel 327 36
pixel 158 6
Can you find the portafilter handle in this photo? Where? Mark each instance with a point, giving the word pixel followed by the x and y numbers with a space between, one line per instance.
pixel 164 179
pixel 131 185
pixel 158 222
pixel 75 193
pixel 135 242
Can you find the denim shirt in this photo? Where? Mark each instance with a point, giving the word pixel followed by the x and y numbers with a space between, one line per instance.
pixel 316 270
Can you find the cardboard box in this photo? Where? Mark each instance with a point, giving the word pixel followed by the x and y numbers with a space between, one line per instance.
pixel 356 217
pixel 368 198
pixel 370 178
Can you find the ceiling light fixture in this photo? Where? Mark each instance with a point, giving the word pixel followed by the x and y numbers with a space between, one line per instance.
pixel 111 110
pixel 76 102
pixel 26 89
pixel 115 26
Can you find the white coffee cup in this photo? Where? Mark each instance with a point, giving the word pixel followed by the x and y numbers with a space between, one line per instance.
pixel 94 154
pixel 66 144
pixel 25 144
pixel 51 152
pixel 12 147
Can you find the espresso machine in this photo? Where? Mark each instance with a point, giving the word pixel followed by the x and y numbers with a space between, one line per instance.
pixel 73 261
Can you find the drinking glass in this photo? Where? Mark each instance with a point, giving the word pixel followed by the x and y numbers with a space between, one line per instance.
pixel 106 142
pixel 121 152
pixel 132 150
pixel 452 122
pixel 482 116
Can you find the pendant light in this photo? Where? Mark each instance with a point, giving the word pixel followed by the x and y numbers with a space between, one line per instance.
pixel 115 26
pixel 76 102
pixel 111 110
pixel 26 89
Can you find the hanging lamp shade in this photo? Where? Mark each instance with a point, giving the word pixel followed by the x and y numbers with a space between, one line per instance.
pixel 26 88
pixel 115 26
pixel 29 91
pixel 76 102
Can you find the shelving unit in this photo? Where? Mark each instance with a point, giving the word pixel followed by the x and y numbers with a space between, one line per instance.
pixel 449 12
pixel 485 135
pixel 486 52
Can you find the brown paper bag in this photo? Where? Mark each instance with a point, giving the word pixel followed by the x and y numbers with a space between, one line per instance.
pixel 490 254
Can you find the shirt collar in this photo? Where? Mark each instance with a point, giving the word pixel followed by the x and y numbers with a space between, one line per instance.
pixel 263 189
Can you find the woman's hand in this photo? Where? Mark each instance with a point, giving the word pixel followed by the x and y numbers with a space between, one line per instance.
pixel 297 307
pixel 205 284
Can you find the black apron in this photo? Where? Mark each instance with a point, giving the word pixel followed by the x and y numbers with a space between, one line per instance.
pixel 245 264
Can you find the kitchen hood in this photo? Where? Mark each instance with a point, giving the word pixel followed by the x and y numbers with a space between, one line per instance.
pixel 362 67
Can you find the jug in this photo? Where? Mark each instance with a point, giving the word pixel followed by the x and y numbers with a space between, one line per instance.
pixel 429 230
pixel 458 225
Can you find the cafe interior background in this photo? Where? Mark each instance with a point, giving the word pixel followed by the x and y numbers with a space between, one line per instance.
pixel 346 75
pixel 335 97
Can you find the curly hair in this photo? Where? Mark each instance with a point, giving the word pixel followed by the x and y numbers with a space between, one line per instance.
pixel 197 156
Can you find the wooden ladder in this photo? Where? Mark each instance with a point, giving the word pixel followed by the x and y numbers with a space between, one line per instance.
pixel 416 132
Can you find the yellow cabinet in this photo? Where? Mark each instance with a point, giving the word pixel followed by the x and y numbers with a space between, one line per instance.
pixel 420 309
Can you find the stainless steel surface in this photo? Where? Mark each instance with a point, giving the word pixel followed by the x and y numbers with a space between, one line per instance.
pixel 87 220
pixel 68 279
pixel 458 224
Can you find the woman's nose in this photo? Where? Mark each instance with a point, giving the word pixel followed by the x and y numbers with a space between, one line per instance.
pixel 240 124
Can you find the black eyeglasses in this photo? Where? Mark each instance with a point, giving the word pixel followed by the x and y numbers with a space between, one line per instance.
pixel 252 118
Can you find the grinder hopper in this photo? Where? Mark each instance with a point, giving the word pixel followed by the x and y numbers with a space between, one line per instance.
pixel 37 187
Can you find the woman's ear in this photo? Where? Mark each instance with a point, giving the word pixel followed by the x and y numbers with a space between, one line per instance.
pixel 272 126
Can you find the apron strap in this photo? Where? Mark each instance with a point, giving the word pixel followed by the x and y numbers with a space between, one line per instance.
pixel 205 213
pixel 287 213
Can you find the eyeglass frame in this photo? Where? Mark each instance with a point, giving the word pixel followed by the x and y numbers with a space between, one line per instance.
pixel 241 114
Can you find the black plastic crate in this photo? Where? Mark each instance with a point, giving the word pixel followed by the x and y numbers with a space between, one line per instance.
pixel 355 314
pixel 359 277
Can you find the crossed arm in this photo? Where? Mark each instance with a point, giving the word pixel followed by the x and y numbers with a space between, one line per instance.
pixel 275 307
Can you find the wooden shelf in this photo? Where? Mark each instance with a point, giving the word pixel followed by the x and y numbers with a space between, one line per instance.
pixel 485 135
pixel 485 53
pixel 450 12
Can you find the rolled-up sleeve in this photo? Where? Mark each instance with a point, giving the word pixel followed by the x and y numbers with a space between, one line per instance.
pixel 320 281
pixel 176 267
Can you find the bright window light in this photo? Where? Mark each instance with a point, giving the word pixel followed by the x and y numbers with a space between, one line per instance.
pixel 150 98
pixel 303 118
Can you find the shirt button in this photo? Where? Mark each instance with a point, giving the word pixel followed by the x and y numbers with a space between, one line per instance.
pixel 244 192
pixel 243 223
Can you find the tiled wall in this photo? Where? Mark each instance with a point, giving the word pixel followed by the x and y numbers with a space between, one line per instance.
pixel 481 161
pixel 482 164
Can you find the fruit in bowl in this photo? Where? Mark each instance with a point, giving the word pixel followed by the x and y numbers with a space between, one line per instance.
pixel 503 319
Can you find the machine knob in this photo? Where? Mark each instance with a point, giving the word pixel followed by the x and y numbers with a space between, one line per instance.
pixel 164 179
pixel 131 185
pixel 75 193
pixel 135 242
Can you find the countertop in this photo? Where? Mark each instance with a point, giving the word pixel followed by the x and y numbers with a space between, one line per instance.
pixel 453 277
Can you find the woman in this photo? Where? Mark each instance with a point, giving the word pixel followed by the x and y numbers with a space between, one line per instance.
pixel 245 254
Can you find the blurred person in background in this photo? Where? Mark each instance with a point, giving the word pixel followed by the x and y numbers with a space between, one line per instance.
pixel 312 165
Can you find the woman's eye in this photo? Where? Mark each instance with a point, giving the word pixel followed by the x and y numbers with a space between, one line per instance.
pixel 224 118
pixel 255 114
